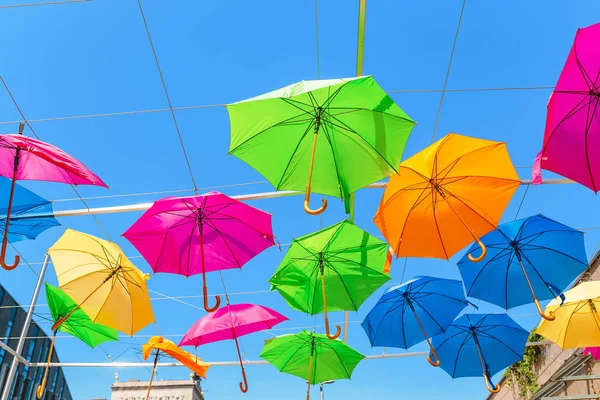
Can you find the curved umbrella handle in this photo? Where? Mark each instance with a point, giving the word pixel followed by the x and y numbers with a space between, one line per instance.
pixel 434 354
pixel 3 256
pixel 42 386
pixel 338 330
pixel 550 317
pixel 483 252
pixel 217 298
pixel 307 206
pixel 310 173
pixel 244 385
pixel 490 386
pixel 324 294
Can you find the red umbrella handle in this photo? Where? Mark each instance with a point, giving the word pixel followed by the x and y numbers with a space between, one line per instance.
pixel 217 298
pixel 244 385
pixel 10 202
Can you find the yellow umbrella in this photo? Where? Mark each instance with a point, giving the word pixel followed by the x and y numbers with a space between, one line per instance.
pixel 101 279
pixel 577 321
pixel 158 343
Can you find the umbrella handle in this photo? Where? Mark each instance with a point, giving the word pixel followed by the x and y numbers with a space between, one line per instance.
pixel 310 173
pixel 337 327
pixel 490 386
pixel 7 226
pixel 338 330
pixel 244 385
pixel 3 254
pixel 550 317
pixel 434 354
pixel 42 387
pixel 217 298
pixel 483 252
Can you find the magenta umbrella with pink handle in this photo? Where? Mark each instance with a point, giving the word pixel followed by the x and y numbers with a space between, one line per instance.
pixel 231 322
pixel 200 234
pixel 572 136
pixel 24 158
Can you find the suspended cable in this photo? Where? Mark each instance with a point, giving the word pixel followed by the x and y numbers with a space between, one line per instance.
pixel 472 90
pixel 47 3
pixel 164 85
pixel 317 39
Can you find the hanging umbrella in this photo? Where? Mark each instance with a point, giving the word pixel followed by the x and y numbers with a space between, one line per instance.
pixel 78 325
pixel 160 344
pixel 331 136
pixel 592 351
pixel 446 196
pixel 531 258
pixel 199 234
pixel 23 158
pixel 30 214
pixel 231 322
pixel 412 312
pixel 312 357
pixel 577 322
pixel 101 279
pixel 345 261
pixel 480 343
pixel 572 134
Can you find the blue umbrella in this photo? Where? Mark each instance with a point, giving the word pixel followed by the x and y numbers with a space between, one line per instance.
pixel 532 258
pixel 478 344
pixel 414 311
pixel 30 214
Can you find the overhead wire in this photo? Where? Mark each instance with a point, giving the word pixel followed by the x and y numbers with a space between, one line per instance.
pixel 46 3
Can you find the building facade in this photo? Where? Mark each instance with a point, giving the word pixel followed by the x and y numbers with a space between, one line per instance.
pixel 161 390
pixel 12 318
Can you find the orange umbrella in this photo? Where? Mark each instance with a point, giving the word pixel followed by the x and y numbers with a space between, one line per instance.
pixel 159 344
pixel 446 196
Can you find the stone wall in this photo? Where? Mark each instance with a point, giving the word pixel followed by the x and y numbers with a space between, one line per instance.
pixel 161 390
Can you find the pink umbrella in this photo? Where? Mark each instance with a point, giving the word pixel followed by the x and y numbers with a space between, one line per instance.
pixel 24 158
pixel 572 135
pixel 231 322
pixel 199 234
pixel 592 351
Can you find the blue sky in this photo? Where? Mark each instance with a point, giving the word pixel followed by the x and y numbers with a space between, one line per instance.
pixel 89 58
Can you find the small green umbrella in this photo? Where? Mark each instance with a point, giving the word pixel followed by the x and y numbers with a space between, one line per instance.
pixel 78 325
pixel 312 357
pixel 348 262
pixel 349 129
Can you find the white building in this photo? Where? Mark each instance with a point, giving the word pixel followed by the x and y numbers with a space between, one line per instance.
pixel 161 390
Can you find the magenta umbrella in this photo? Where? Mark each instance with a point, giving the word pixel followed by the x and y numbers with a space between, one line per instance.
pixel 592 351
pixel 24 158
pixel 572 136
pixel 231 322
pixel 199 234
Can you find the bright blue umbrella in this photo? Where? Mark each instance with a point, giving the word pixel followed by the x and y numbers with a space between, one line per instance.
pixel 532 258
pixel 414 311
pixel 477 344
pixel 30 214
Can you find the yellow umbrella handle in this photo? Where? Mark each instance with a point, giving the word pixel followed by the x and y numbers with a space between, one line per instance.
pixel 550 317
pixel 310 174
pixel 483 251
pixel 337 327
pixel 42 387
pixel 490 385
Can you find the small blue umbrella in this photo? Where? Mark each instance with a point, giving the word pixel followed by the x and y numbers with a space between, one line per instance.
pixel 477 344
pixel 531 258
pixel 30 214
pixel 414 311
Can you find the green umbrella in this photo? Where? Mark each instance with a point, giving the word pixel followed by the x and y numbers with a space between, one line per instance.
pixel 78 325
pixel 312 357
pixel 346 260
pixel 358 136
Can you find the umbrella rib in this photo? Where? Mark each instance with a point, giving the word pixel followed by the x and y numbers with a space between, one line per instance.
pixel 208 221
pixel 338 357
pixel 585 74
pixel 588 123
pixel 343 283
pixel 357 109
pixel 464 342
pixel 470 208
pixel 428 313
pixel 300 347
pixel 531 247
pixel 578 107
pixel 437 225
pixel 277 187
pixel 332 237
pixel 333 155
pixel 422 197
pixel 487 335
pixel 344 260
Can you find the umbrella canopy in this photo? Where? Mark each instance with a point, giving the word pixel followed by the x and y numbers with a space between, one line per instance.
pixel 30 215
pixel 78 325
pixel 345 261
pixel 199 234
pixel 312 357
pixel 101 279
pixel 231 322
pixel 160 344
pixel 445 196
pixel 349 130
pixel 412 312
pixel 24 158
pixel 572 134
pixel 592 351
pixel 480 343
pixel 528 259
pixel 577 322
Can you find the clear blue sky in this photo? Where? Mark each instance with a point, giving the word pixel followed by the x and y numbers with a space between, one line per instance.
pixel 94 57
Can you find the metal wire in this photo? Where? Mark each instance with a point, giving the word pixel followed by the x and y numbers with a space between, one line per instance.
pixel 317 39
pixel 164 85
pixel 48 3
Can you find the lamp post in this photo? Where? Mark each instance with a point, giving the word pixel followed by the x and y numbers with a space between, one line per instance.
pixel 321 388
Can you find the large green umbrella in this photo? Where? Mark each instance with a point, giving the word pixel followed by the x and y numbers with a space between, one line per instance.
pixel 312 357
pixel 78 325
pixel 349 129
pixel 343 260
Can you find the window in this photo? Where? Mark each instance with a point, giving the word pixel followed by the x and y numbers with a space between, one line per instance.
pixel 56 374
pixel 30 351
pixel 11 321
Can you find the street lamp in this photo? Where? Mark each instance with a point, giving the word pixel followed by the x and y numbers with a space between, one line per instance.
pixel 321 387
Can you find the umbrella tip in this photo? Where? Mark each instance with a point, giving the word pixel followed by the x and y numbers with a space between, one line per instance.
pixel 146 276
